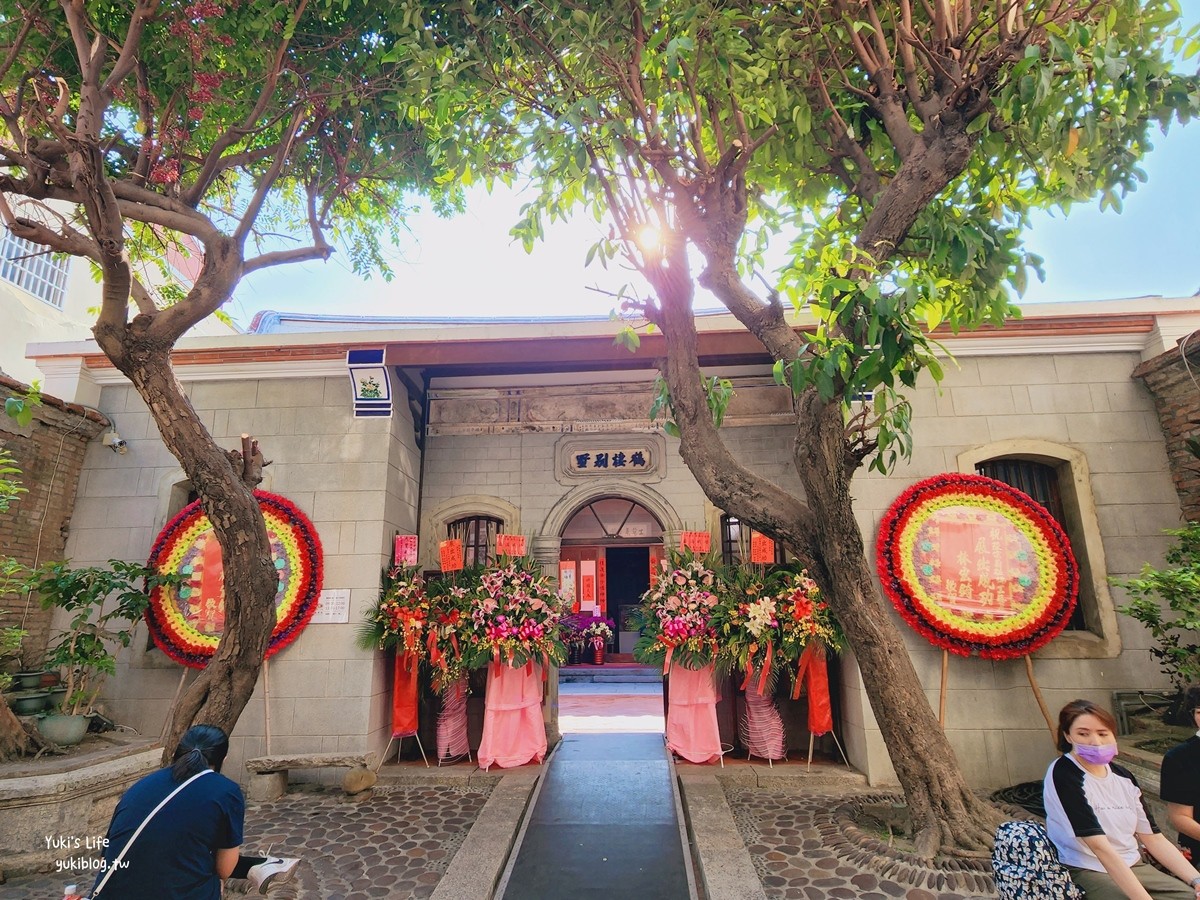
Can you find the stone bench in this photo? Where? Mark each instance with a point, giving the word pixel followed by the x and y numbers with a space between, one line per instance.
pixel 269 774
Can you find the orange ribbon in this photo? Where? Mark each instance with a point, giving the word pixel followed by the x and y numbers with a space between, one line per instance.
pixel 766 670
pixel 801 667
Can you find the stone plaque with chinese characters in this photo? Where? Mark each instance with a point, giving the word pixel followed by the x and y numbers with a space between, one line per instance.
pixel 585 460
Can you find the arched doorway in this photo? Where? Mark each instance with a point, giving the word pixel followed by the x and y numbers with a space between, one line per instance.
pixel 609 546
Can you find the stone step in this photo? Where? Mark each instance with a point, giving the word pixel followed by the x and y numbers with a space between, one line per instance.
pixel 615 674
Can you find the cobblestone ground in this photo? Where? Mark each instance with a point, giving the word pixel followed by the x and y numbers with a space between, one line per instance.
pixel 391 843
pixel 796 855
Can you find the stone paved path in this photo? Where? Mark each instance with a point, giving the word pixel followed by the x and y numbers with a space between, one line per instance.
pixel 395 842
pixel 794 859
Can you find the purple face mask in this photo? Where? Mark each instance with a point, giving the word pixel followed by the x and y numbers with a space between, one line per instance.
pixel 1097 756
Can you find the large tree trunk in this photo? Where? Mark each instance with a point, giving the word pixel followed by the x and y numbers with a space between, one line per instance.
pixel 223 689
pixel 823 531
pixel 944 810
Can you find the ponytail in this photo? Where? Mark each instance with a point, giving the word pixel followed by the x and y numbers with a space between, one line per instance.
pixel 202 747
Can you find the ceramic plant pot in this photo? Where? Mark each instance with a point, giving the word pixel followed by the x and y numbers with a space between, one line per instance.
pixel 27 681
pixel 26 703
pixel 66 731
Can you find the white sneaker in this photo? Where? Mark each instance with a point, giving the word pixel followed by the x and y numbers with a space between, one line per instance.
pixel 275 869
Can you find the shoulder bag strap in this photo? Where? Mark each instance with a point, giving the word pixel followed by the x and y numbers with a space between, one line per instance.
pixel 120 856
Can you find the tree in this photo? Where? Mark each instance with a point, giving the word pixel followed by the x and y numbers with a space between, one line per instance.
pixel 253 133
pixel 903 144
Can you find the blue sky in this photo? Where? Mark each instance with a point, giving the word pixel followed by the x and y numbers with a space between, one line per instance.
pixel 468 266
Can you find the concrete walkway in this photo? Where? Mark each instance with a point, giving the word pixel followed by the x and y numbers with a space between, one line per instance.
pixel 604 824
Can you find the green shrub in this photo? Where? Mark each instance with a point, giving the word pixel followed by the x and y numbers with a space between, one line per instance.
pixel 1167 602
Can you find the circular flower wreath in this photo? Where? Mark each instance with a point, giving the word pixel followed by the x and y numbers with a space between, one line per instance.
pixel 976 566
pixel 186 621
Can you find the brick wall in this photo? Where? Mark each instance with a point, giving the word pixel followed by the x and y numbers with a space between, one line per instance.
pixel 1174 380
pixel 49 452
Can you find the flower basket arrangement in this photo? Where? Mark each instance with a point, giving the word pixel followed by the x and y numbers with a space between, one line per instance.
pixel 452 638
pixel 748 630
pixel 398 621
pixel 598 632
pixel 516 614
pixel 805 620
pixel 676 615
pixel 570 631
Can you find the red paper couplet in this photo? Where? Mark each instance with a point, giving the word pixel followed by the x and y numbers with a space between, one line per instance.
pixel 696 541
pixel 587 590
pixel 451 555
pixel 510 545
pixel 406 550
pixel 762 549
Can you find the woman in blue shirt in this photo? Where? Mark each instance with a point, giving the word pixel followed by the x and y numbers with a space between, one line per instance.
pixel 191 844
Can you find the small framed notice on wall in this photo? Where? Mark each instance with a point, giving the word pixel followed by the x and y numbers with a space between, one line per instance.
pixel 333 607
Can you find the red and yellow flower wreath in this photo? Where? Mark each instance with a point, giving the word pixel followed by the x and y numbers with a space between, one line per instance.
pixel 186 621
pixel 977 566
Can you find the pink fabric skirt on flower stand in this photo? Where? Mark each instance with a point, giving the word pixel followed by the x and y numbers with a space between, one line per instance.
pixel 692 715
pixel 513 731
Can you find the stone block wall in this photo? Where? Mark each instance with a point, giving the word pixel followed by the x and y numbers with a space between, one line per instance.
pixel 990 406
pixel 325 693
pixel 49 452
pixel 1174 380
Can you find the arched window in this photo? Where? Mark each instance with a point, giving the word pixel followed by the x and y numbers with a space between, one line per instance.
pixel 1058 476
pixel 735 542
pixel 478 535
pixel 1039 481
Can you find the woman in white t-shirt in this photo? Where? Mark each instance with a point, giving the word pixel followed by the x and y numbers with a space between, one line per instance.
pixel 1096 817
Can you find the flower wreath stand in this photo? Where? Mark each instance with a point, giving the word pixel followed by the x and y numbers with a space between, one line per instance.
pixel 762 726
pixel 513 730
pixel 692 731
pixel 452 742
pixel 813 675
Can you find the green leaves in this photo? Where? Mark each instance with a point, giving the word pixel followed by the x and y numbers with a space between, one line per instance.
pixel 1167 602
pixel 10 488
pixel 20 407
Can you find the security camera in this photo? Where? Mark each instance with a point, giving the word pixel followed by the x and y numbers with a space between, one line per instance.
pixel 115 442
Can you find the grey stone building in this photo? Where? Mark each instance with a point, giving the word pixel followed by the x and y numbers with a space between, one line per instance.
pixel 502 424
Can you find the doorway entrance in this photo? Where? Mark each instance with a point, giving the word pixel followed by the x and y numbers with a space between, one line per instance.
pixel 608 549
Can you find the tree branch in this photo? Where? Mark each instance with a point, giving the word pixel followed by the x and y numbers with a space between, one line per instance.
pixel 282 257
pixel 127 58
pixel 14 49
pixel 268 179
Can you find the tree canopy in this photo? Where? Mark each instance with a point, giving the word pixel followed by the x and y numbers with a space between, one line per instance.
pixel 902 144
pixel 241 133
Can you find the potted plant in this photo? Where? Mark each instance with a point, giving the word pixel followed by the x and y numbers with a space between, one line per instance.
pixel 21 695
pixel 104 603
pixel 598 633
